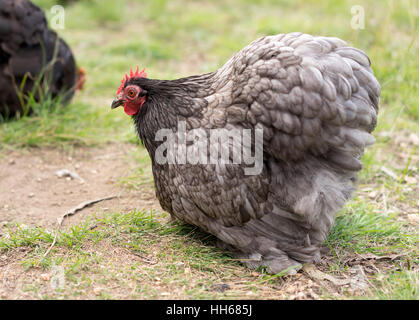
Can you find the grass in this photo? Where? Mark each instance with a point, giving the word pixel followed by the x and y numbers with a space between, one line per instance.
pixel 169 256
pixel 138 232
pixel 373 232
pixel 175 39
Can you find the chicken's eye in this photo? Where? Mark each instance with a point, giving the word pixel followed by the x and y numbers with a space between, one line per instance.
pixel 131 93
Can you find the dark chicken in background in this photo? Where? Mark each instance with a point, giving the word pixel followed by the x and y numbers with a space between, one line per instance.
pixel 316 100
pixel 28 47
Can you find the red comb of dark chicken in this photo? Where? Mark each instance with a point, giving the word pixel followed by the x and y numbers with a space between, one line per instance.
pixel 27 51
pixel 131 107
pixel 81 78
pixel 131 76
pixel 313 100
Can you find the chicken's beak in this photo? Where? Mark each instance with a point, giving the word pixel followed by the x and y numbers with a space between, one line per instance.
pixel 116 103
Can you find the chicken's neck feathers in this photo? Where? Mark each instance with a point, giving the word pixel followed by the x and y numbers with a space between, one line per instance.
pixel 171 101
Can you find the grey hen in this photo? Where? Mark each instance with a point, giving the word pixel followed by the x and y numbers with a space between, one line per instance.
pixel 27 46
pixel 316 101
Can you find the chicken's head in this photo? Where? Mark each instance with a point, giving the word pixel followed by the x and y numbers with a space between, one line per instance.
pixel 130 95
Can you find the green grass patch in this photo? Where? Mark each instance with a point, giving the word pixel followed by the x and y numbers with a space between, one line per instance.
pixel 362 228
pixel 173 254
pixel 398 285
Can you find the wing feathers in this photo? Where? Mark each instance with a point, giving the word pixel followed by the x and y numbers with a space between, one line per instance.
pixel 310 94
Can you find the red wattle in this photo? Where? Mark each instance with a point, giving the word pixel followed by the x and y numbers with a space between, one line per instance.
pixel 131 108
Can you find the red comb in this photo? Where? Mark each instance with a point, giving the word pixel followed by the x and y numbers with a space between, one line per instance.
pixel 131 76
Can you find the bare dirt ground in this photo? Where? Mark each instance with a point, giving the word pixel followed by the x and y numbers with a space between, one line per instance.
pixel 31 192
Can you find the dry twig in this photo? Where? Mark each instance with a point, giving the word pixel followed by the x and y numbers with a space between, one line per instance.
pixel 71 212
